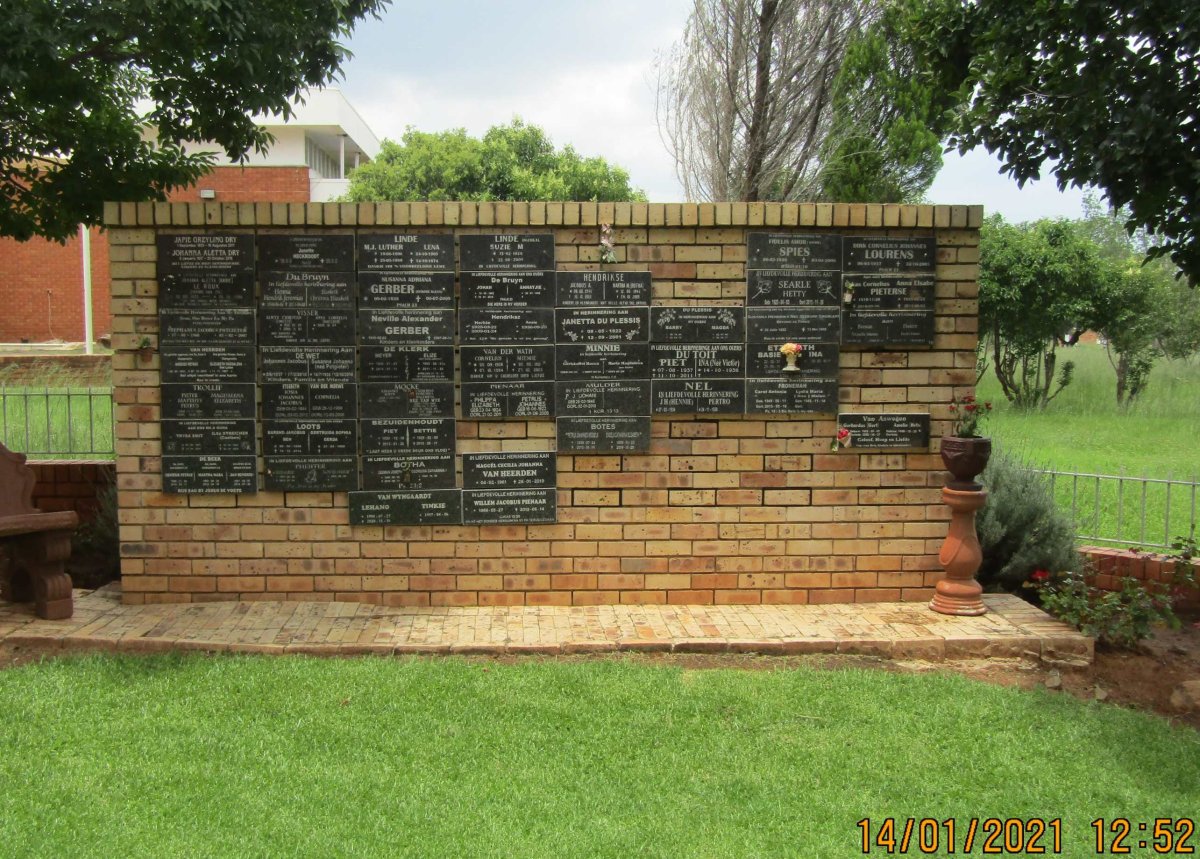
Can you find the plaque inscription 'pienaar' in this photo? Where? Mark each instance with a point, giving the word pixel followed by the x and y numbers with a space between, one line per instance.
pixel 481 400
pixel 807 251
pixel 602 288
pixel 507 252
pixel 887 430
pixel 603 435
pixel 516 470
pixel 427 507
pixel 516 506
pixel 305 252
pixel 405 252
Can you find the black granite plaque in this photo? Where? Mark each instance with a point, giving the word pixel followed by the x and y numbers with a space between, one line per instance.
pixel 507 400
pixel 310 473
pixel 409 471
pixel 206 327
pixel 603 397
pixel 513 289
pixel 307 363
pixel 306 327
pixel 310 438
pixel 697 360
pixel 602 361
pixel 507 363
pixel 517 506
pixel 809 251
pixel 506 325
pixel 887 431
pixel 208 438
pixel 395 436
pixel 406 400
pixel 508 252
pixel 889 292
pixel 516 470
pixel 215 400
pixel 602 288
pixel 602 324
pixel 205 270
pixel 791 396
pixel 209 474
pixel 698 324
pixel 603 435
pixel 407 364
pixel 815 360
pixel 429 507
pixel 207 363
pixel 405 252
pixel 874 254
pixel 309 400
pixel 298 289
pixel 699 396
pixel 793 324
pixel 405 289
pixel 392 327
pixel 306 252
pixel 887 327
pixel 787 288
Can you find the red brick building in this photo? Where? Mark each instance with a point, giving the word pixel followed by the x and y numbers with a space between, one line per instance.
pixel 42 284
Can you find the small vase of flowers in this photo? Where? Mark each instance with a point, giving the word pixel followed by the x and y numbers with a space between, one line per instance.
pixel 965 453
pixel 791 352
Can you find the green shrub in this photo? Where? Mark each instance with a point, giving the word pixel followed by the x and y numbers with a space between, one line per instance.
pixel 1117 618
pixel 1020 528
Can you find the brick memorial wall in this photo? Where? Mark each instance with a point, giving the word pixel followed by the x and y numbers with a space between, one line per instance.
pixel 459 404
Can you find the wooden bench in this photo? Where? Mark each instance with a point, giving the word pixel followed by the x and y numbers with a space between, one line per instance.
pixel 33 545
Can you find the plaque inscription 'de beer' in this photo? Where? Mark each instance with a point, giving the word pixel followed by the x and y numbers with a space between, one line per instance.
pixel 886 430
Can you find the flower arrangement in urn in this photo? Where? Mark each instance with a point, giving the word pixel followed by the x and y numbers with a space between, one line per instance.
pixel 791 352
pixel 965 453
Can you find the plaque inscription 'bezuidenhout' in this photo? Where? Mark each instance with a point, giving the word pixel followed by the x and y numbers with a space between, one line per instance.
pixel 399 436
pixel 886 430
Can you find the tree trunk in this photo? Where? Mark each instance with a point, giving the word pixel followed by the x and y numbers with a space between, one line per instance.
pixel 756 132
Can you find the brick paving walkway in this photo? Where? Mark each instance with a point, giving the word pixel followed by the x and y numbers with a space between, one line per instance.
pixel 1012 628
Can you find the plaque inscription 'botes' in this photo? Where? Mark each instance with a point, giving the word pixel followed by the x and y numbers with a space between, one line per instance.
pixel 406 325
pixel 307 322
pixel 207 342
pixel 602 361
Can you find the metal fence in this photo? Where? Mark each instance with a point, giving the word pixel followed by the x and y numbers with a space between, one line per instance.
pixel 59 423
pixel 1123 510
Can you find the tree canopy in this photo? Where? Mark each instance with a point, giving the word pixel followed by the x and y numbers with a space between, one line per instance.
pixel 512 162
pixel 1103 92
pixel 81 80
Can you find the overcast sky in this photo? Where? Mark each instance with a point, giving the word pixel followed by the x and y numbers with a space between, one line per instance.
pixel 585 72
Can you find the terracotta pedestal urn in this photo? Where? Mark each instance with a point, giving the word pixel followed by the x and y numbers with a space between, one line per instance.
pixel 958 593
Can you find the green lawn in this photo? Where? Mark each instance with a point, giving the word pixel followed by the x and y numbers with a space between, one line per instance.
pixel 57 422
pixel 1083 430
pixel 221 756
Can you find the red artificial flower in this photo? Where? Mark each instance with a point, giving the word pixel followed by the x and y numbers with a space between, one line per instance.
pixel 971 407
pixel 1039 576
pixel 967 398
pixel 843 434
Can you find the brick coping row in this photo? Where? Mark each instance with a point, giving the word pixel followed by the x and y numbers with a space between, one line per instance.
pixel 1011 629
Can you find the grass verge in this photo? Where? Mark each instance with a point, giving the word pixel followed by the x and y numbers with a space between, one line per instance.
pixel 244 756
